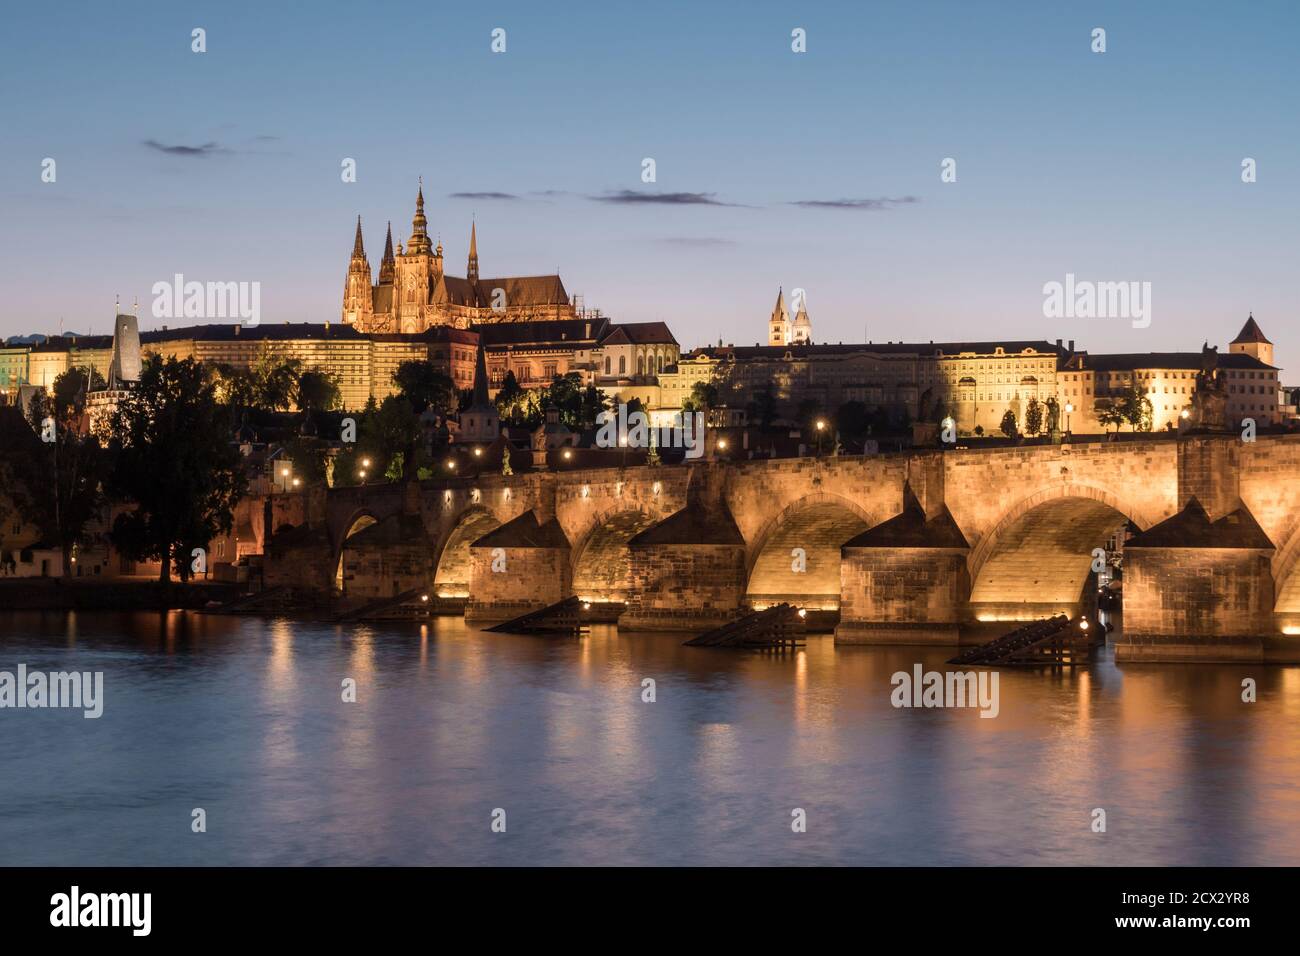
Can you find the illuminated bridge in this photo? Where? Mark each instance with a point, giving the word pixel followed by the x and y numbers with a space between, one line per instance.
pixel 919 547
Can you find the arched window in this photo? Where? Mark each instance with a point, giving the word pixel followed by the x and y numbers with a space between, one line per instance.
pixel 606 364
pixel 640 365
pixel 622 365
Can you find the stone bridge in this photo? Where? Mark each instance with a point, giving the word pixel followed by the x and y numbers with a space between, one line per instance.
pixel 919 547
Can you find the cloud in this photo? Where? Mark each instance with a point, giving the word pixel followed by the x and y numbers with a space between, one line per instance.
pixel 207 149
pixel 630 197
pixel 871 205
pixel 696 241
pixel 486 195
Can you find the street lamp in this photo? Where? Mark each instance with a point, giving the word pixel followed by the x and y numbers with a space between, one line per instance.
pixel 1069 407
pixel 821 427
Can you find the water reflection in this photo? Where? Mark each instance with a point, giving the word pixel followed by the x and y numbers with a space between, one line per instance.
pixel 245 717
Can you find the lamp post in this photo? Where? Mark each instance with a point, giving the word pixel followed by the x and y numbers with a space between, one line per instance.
pixel 1069 407
pixel 821 429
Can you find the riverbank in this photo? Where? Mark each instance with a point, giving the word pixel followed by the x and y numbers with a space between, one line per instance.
pixel 55 594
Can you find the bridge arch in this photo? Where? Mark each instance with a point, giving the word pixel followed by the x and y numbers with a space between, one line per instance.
pixel 1286 585
pixel 1036 560
pixel 451 575
pixel 601 558
pixel 358 522
pixel 818 525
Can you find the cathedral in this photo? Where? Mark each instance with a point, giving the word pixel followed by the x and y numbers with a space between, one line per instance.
pixel 414 294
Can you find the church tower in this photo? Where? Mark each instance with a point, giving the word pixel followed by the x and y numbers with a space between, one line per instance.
pixel 357 302
pixel 1250 341
pixel 480 422
pixel 779 328
pixel 802 325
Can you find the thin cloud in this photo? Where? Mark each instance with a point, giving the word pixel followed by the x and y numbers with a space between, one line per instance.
pixel 870 205
pixel 486 195
pixel 696 241
pixel 630 197
pixel 207 149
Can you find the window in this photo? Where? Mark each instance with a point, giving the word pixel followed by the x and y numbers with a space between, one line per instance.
pixel 622 365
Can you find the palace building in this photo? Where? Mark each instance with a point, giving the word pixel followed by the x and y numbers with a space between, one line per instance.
pixel 414 293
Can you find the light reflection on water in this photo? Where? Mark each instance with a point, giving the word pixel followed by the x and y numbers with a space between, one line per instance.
pixel 244 717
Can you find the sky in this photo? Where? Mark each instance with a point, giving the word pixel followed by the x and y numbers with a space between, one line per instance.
pixel 817 170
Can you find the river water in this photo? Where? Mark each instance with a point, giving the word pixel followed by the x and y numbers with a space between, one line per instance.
pixel 244 718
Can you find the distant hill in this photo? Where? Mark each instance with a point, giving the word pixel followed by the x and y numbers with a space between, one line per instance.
pixel 36 338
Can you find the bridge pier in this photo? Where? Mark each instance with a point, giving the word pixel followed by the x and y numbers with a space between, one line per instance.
pixel 905 581
pixel 522 566
pixel 1197 589
pixel 686 573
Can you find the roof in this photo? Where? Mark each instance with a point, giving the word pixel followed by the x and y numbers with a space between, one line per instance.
pixel 524 532
pixel 546 331
pixel 1129 361
pixel 1192 528
pixel 929 349
pixel 1250 332
pixel 524 290
pixel 910 529
pixel 639 333
pixel 694 524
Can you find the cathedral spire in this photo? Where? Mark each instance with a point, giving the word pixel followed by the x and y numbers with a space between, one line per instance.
pixel 387 265
pixel 471 270
pixel 358 249
pixel 419 241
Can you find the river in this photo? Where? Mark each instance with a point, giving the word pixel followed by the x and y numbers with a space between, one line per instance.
pixel 244 718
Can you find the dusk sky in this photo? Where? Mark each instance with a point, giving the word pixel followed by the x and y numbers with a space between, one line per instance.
pixel 818 170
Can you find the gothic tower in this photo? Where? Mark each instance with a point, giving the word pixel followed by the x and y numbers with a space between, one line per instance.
pixel 357 303
pixel 779 327
pixel 414 273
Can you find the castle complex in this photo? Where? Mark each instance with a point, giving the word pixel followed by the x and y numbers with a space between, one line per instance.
pixel 414 293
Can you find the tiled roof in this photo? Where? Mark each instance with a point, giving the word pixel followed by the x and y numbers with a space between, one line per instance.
pixel 639 333
pixel 928 349
pixel 1250 332
pixel 1129 361
pixel 542 332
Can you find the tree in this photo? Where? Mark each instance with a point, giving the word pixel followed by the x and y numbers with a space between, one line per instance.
pixel 853 420
pixel 388 438
pixel 317 391
pixel 274 379
pixel 510 397
pixel 1136 409
pixel 1109 412
pixel 173 458
pixel 234 386
pixel 424 387
pixel 1008 424
pixel 1033 417
pixel 763 407
pixel 703 396
pixel 64 476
